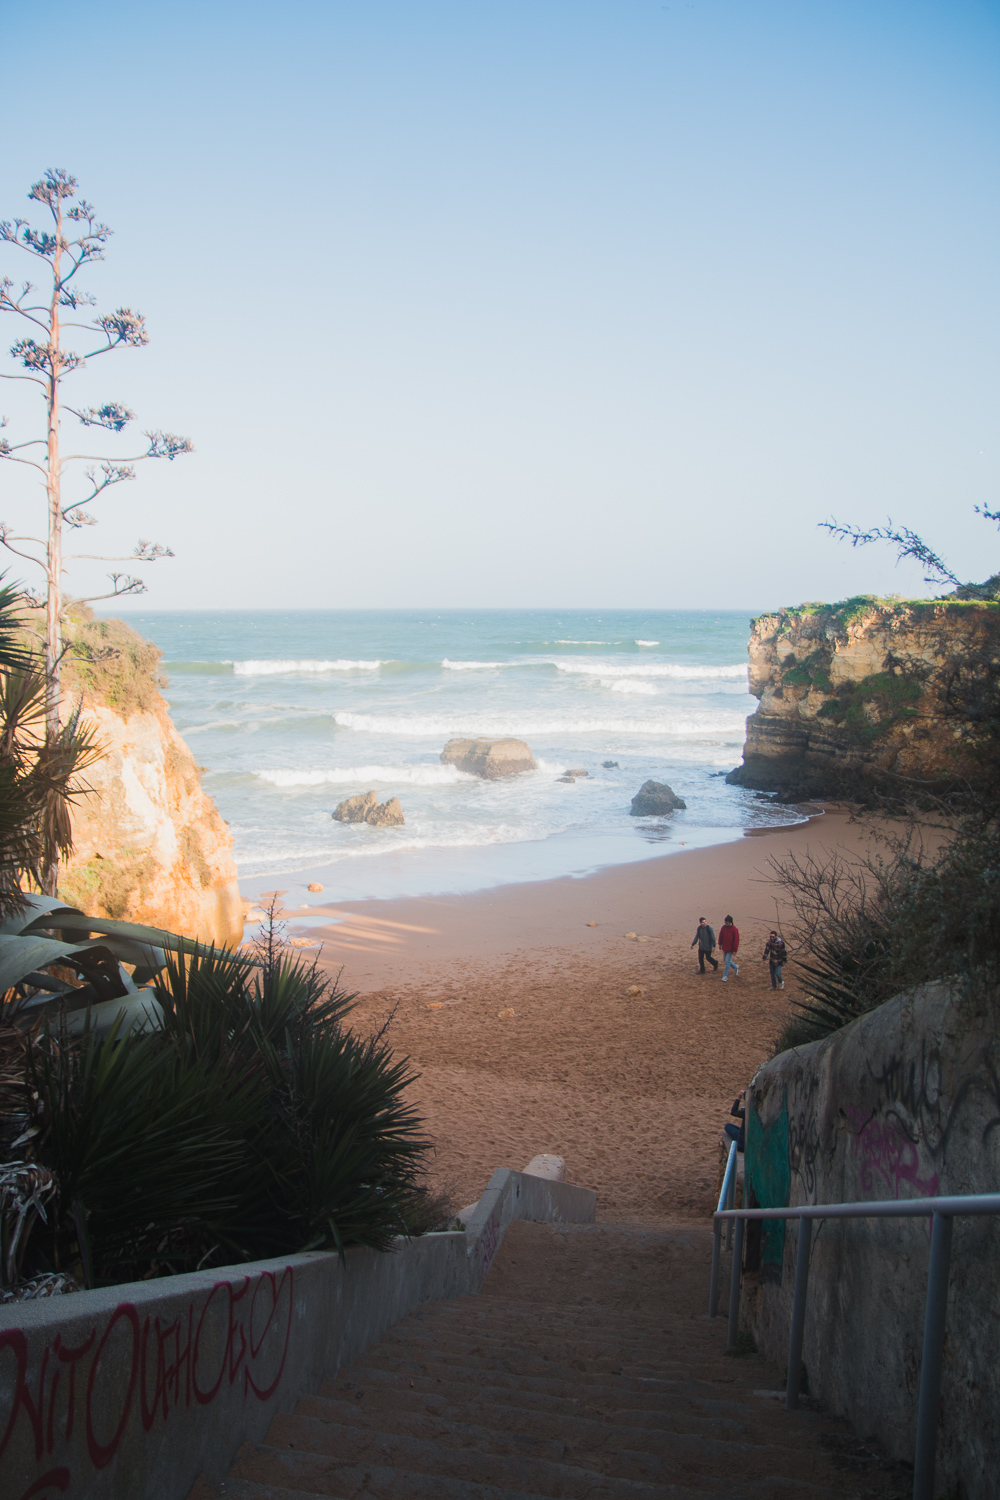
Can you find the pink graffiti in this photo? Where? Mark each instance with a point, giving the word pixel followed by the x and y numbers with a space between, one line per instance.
pixel 884 1150
pixel 165 1363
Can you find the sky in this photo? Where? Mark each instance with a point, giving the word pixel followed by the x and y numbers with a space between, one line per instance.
pixel 550 302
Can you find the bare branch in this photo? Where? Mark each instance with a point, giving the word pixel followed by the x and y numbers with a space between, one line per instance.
pixel 122 584
pixel 906 542
pixel 112 416
pixel 144 552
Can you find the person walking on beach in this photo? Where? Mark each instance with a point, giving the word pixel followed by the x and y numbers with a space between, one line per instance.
pixel 775 952
pixel 729 942
pixel 705 938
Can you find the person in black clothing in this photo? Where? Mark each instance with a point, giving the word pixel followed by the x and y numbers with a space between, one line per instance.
pixel 738 1133
pixel 705 938
pixel 775 952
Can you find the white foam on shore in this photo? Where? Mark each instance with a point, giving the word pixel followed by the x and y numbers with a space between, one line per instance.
pixel 281 668
pixel 627 685
pixel 427 726
pixel 601 667
pixel 476 666
pixel 345 775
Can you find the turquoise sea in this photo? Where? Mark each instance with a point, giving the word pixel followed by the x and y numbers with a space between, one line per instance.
pixel 290 712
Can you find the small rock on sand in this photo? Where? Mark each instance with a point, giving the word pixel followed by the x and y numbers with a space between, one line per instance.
pixel 436 1005
pixel 634 990
pixel 591 924
pixel 630 934
pixel 314 887
pixel 507 1014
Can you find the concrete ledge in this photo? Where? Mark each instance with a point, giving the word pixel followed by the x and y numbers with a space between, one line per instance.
pixel 131 1392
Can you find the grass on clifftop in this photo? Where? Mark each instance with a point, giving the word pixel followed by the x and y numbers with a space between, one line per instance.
pixel 846 612
pixel 106 660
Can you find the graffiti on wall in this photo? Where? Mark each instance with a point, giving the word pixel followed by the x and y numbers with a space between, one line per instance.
pixel 76 1404
pixel 769 1177
pixel 887 1155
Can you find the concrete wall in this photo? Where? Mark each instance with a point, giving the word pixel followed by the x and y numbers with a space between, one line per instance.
pixel 132 1392
pixel 903 1103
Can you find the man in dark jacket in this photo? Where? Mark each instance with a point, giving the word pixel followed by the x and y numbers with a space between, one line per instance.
pixel 775 953
pixel 729 942
pixel 705 939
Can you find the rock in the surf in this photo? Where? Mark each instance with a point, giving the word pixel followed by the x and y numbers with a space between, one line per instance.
pixel 386 815
pixel 356 809
pixel 490 759
pixel 654 798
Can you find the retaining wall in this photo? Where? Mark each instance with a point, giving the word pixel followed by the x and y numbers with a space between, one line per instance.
pixel 903 1103
pixel 131 1392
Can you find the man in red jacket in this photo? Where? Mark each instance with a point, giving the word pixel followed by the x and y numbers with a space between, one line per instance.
pixel 729 942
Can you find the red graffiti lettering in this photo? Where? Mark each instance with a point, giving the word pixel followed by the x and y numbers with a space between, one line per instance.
pixel 101 1454
pixel 263 1393
pixel 165 1361
pixel 55 1479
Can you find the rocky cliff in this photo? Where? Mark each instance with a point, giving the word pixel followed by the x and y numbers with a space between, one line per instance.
pixel 869 690
pixel 150 845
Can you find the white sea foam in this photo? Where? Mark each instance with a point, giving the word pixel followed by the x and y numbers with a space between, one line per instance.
pixel 646 643
pixel 358 775
pixel 428 726
pixel 580 643
pixel 475 666
pixel 628 685
pixel 283 668
pixel 601 667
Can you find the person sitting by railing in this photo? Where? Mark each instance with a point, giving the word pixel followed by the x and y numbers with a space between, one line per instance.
pixel 738 1133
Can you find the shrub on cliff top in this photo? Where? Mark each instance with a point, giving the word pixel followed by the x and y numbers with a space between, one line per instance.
pixel 867 929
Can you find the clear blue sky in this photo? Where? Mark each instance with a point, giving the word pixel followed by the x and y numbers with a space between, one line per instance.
pixel 541 302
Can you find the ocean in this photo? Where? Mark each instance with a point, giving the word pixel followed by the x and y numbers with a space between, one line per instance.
pixel 290 712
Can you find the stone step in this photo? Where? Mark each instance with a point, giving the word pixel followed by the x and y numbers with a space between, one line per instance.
pixel 333 1462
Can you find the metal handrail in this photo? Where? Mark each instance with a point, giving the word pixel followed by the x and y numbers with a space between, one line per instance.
pixel 942 1211
pixel 727 1195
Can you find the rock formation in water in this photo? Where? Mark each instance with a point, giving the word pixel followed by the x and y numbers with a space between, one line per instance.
pixel 366 808
pixel 355 809
pixel 149 844
pixel 490 759
pixel 869 691
pixel 654 799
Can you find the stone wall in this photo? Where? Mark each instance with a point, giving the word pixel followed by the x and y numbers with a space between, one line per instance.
pixel 855 690
pixel 903 1103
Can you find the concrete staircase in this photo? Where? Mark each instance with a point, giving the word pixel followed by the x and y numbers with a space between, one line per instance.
pixel 580 1386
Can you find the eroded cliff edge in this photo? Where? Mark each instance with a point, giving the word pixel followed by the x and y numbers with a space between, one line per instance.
pixel 869 692
pixel 149 843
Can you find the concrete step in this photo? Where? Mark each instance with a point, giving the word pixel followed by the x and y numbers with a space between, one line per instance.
pixel 388 1464
pixel 591 1397
pixel 670 1455
pixel 577 1439
pixel 538 1374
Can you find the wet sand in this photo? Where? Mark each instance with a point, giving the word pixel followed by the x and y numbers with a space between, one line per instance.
pixel 518 1016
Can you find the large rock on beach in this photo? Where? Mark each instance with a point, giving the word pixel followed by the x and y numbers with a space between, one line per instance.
pixel 490 759
pixel 356 809
pixel 654 798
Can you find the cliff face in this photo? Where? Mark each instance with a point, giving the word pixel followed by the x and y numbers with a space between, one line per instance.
pixel 149 844
pixel 867 689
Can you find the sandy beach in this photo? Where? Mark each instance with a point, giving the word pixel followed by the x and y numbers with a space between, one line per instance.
pixel 569 1015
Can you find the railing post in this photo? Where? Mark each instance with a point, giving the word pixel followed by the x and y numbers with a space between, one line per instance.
pixel 734 1286
pixel 798 1314
pixel 732 1199
pixel 713 1291
pixel 932 1357
pixel 728 1176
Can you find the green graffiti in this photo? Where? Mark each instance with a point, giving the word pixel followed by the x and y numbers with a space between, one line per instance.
pixel 768 1177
